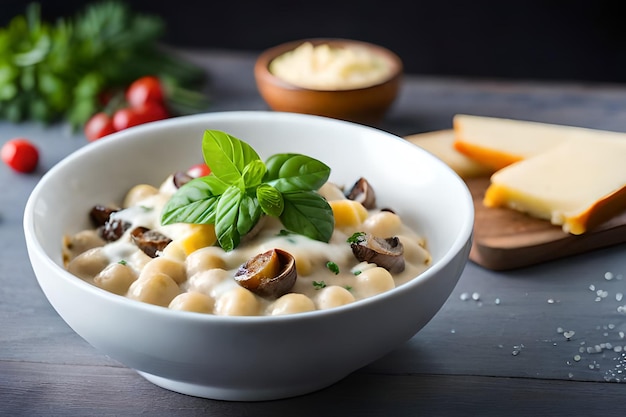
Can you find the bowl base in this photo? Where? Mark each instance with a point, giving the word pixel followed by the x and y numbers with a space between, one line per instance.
pixel 234 394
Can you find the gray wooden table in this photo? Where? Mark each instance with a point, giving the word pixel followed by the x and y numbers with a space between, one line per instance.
pixel 543 340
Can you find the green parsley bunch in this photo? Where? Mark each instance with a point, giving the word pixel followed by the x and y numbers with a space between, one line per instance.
pixel 59 71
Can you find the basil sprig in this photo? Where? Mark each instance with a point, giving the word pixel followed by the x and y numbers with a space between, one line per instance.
pixel 241 188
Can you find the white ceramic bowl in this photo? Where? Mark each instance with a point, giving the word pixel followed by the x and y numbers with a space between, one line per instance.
pixel 249 358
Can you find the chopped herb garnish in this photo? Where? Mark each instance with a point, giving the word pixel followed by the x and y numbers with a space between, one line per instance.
pixel 333 267
pixel 348 287
pixel 241 189
pixel 319 285
pixel 122 262
pixel 284 232
pixel 357 272
pixel 356 237
pixel 147 209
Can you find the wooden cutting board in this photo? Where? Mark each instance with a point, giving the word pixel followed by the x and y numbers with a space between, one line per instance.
pixel 506 239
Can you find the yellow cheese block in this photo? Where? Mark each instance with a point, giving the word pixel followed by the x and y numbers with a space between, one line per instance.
pixel 498 142
pixel 441 144
pixel 577 185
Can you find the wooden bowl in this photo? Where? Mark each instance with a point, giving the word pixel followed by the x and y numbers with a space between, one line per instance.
pixel 366 105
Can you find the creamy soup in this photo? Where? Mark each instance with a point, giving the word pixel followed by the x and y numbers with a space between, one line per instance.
pixel 192 273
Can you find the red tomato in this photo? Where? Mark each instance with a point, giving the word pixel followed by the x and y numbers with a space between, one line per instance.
pixel 199 170
pixel 98 126
pixel 20 154
pixel 153 111
pixel 125 118
pixel 133 116
pixel 144 90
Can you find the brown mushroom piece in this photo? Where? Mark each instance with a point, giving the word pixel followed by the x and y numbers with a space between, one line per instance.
pixel 270 274
pixel 363 192
pixel 181 178
pixel 113 229
pixel 109 229
pixel 149 241
pixel 100 214
pixel 387 253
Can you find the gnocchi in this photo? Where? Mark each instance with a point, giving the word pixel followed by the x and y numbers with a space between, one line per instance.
pixel 333 296
pixel 116 278
pixel 190 273
pixel 193 301
pixel 291 303
pixel 158 289
pixel 237 301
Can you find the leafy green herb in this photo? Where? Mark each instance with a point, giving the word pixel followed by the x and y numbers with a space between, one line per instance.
pixel 357 272
pixel 318 285
pixel 122 262
pixel 241 189
pixel 333 267
pixel 356 237
pixel 54 71
pixel 348 287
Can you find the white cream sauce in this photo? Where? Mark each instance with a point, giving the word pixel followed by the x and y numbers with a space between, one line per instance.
pixel 311 256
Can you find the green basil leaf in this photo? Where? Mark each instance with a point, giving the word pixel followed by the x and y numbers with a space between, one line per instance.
pixel 290 172
pixel 253 173
pixel 249 214
pixel 216 185
pixel 194 202
pixel 309 214
pixel 226 155
pixel 270 200
pixel 227 218
pixel 241 189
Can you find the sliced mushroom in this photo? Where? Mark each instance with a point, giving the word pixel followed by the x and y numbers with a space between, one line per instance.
pixel 109 229
pixel 363 192
pixel 113 229
pixel 387 253
pixel 181 178
pixel 99 214
pixel 151 242
pixel 270 274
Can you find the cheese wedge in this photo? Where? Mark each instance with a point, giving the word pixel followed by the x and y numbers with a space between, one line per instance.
pixel 441 144
pixel 577 185
pixel 497 142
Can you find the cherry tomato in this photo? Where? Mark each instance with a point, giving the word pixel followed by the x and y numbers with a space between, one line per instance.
pixel 20 154
pixel 153 111
pixel 144 90
pixel 98 126
pixel 125 118
pixel 199 170
pixel 133 116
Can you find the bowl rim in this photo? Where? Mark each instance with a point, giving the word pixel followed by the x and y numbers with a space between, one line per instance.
pixel 263 61
pixel 35 248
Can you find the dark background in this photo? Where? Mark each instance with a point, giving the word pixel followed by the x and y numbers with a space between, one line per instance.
pixel 537 40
